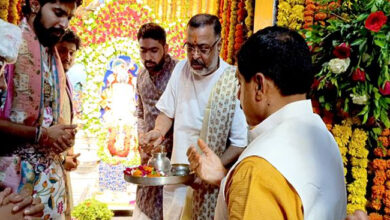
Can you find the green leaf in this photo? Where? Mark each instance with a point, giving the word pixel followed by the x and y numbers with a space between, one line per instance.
pixel 385 119
pixel 358 42
pixel 365 117
pixel 328 106
pixel 361 17
pixel 380 42
pixel 377 131
pixel 363 111
pixel 377 113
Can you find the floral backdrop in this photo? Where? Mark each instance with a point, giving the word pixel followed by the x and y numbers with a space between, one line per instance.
pixel 104 38
pixel 349 41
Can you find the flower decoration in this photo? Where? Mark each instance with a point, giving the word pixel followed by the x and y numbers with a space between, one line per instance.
pixel 385 90
pixel 352 64
pixel 249 19
pixel 233 22
pixel 291 14
pixel 375 21
pixel 359 162
pixel 342 51
pixel 359 75
pixel 338 66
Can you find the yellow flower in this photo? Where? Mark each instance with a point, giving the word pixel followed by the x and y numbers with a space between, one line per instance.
pixel 356 162
pixel 284 7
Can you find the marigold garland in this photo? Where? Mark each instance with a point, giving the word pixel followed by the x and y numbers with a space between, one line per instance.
pixel 291 14
pixel 342 134
pixel 380 191
pixel 13 15
pixel 239 33
pixel 233 21
pixel 225 30
pixel 357 189
pixel 317 13
pixel 249 18
pixel 4 4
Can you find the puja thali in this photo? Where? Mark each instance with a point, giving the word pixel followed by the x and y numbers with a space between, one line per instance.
pixel 159 181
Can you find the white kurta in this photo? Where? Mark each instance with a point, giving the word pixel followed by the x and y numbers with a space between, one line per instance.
pixel 296 142
pixel 185 99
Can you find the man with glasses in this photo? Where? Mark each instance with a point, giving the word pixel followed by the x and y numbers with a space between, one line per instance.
pixel 199 102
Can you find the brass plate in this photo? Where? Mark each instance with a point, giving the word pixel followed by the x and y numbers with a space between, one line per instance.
pixel 159 181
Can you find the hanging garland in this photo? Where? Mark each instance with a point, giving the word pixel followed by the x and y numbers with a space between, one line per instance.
pixel 342 133
pixel 4 4
pixel 239 34
pixel 13 14
pixel 380 191
pixel 357 189
pixel 233 22
pixel 352 146
pixel 249 6
pixel 225 28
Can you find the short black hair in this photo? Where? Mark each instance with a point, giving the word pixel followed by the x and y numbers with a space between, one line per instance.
pixel 26 8
pixel 71 37
pixel 201 20
pixel 154 31
pixel 280 54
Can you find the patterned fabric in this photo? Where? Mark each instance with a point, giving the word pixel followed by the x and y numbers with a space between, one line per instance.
pixel 216 127
pixel 42 173
pixel 48 183
pixel 111 177
pixel 149 90
pixel 24 101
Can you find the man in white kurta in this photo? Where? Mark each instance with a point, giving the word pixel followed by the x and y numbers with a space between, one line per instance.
pixel 292 169
pixel 183 106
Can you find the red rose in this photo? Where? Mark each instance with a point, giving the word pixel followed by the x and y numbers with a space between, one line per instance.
pixel 342 51
pixel 385 90
pixel 359 75
pixel 316 83
pixel 375 21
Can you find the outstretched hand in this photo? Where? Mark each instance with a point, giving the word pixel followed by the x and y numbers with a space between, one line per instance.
pixel 207 166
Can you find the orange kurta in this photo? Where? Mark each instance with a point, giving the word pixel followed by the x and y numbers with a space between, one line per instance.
pixel 257 190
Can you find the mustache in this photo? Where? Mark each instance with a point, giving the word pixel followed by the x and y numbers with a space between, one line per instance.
pixel 197 62
pixel 150 62
pixel 56 31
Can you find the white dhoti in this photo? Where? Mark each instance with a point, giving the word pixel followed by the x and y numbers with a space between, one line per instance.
pixel 173 201
pixel 138 214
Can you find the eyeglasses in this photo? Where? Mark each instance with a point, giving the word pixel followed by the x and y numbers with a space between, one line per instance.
pixel 204 49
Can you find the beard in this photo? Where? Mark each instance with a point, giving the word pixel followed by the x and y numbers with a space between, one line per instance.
pixel 198 63
pixel 47 37
pixel 204 70
pixel 153 66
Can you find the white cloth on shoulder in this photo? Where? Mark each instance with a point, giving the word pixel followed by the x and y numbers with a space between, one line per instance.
pixel 11 38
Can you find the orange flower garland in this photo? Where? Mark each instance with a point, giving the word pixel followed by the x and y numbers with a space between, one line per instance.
pixel 380 191
pixel 225 28
pixel 316 13
pixel 233 21
pixel 239 35
pixel 13 16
